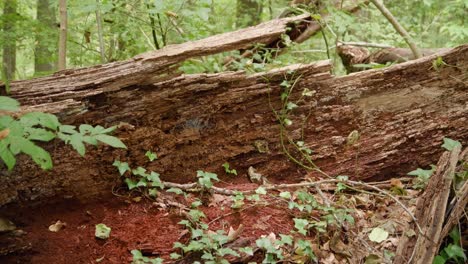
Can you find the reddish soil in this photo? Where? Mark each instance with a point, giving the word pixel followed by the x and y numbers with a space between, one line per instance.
pixel 135 225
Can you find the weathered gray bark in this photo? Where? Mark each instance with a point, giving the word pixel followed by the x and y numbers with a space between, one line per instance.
pixel 44 56
pixel 9 45
pixel 201 121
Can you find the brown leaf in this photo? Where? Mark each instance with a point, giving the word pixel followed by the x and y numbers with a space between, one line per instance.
pixel 4 133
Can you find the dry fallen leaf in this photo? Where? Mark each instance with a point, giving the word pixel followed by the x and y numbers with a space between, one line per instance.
pixel 57 226
pixel 4 133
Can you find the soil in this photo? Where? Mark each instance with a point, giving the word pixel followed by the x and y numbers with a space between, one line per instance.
pixel 152 226
pixel 140 225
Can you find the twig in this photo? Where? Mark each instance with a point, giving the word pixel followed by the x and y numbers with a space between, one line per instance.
pixel 417 53
pixel 366 44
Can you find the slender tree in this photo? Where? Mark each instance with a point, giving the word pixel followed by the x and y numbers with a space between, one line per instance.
pixel 249 12
pixel 100 33
pixel 62 59
pixel 46 39
pixel 10 36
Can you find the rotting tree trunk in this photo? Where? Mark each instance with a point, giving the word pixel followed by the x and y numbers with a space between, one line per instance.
pixel 200 121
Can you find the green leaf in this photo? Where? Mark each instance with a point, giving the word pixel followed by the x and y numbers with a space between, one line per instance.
pixel 38 154
pixel 111 141
pixel 90 140
pixel 150 155
pixel 227 251
pixel 102 231
pixel 153 192
pixel 76 140
pixel 175 256
pixel 86 129
pixel 285 195
pixel 378 235
pixel 301 225
pixel 285 239
pixel 247 250
pixel 142 183
pixel 6 155
pixel 5 121
pixel 453 251
pixel 450 144
pixel 67 129
pixel 439 260
pixel 287 122
pixel 39 134
pixel 140 171
pixel 175 190
pixel 423 174
pixel 8 104
pixel 131 184
pixel 121 166
pixel 38 118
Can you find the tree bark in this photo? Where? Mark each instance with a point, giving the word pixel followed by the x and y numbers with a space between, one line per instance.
pixel 9 45
pixel 201 121
pixel 62 56
pixel 46 37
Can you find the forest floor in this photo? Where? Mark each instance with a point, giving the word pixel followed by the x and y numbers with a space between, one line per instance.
pixel 152 226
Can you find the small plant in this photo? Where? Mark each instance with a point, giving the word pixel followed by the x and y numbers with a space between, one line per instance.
pixel 453 251
pixel 228 170
pixel 140 177
pixel 422 177
pixel 18 135
pixel 151 155
pixel 138 258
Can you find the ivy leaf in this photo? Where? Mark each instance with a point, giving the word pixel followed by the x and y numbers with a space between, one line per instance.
pixel 261 190
pixel 247 250
pixel 450 144
pixel 285 195
pixel 151 155
pixel 8 104
pixel 131 184
pixel 454 251
pixel 111 141
pixel 300 225
pixel 378 235
pixel 121 166
pixel 102 231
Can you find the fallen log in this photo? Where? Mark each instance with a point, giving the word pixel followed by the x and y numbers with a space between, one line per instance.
pixel 201 121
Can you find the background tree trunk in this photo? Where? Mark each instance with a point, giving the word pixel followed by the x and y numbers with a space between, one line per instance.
pixel 62 60
pixel 248 13
pixel 9 45
pixel 44 55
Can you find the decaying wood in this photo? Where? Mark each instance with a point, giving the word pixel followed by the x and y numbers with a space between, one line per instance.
pixel 198 122
pixel 70 86
pixel 430 212
pixel 352 55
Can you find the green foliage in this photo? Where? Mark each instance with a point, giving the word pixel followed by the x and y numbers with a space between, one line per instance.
pixel 20 135
pixel 139 178
pixel 204 179
pixel 150 155
pixel 138 258
pixel 8 104
pixel 453 251
pixel 422 177
pixel 228 170
pixel 450 144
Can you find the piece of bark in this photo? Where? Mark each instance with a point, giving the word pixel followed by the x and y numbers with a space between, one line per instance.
pixel 430 212
pixel 201 121
pixel 352 55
